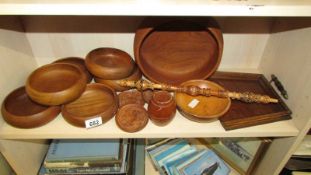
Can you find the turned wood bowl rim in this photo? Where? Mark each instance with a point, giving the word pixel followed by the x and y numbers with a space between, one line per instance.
pixel 196 117
pixel 211 27
pixel 106 114
pixel 106 72
pixel 48 114
pixel 63 96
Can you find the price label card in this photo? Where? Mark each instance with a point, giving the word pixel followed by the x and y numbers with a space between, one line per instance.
pixel 91 123
pixel 193 103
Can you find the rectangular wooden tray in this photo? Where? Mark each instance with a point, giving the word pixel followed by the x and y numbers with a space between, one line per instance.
pixel 243 114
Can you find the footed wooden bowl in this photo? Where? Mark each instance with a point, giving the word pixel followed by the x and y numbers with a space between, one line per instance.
pixel 98 100
pixel 55 84
pixel 136 75
pixel 109 63
pixel 202 108
pixel 20 111
pixel 176 51
pixel 80 63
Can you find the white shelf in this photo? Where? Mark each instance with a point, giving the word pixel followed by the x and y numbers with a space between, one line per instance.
pixel 180 127
pixel 157 7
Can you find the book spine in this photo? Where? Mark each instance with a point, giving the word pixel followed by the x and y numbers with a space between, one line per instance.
pixel 83 170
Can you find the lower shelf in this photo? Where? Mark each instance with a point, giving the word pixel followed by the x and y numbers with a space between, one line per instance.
pixel 180 127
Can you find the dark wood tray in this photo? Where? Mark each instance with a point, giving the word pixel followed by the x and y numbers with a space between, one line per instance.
pixel 242 114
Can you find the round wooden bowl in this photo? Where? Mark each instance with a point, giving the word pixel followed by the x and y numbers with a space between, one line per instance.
pixel 207 107
pixel 80 63
pixel 20 111
pixel 109 63
pixel 55 84
pixel 132 118
pixel 177 51
pixel 136 75
pixel 98 100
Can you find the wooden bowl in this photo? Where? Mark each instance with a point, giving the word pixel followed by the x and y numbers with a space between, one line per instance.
pixel 98 100
pixel 55 84
pixel 132 118
pixel 109 63
pixel 80 63
pixel 136 75
pixel 19 111
pixel 179 50
pixel 207 107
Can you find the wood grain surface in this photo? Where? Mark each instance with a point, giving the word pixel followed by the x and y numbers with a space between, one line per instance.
pixel 20 111
pixel 243 114
pixel 179 50
pixel 207 107
pixel 55 84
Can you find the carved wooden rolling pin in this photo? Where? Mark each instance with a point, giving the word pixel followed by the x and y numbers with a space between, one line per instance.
pixel 248 97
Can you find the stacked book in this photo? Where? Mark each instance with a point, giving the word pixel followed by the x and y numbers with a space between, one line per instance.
pixel 179 157
pixel 98 156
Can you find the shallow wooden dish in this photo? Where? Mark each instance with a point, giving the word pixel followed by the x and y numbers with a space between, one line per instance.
pixel 135 75
pixel 55 84
pixel 19 111
pixel 109 63
pixel 79 62
pixel 176 51
pixel 207 107
pixel 98 100
pixel 132 118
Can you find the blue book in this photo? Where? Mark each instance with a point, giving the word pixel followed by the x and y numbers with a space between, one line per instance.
pixel 178 159
pixel 83 153
pixel 206 162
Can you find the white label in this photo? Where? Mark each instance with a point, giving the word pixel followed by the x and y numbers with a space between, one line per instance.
pixel 91 123
pixel 193 103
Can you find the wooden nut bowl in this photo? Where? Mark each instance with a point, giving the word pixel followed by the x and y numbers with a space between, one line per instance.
pixel 109 63
pixel 55 84
pixel 136 75
pixel 175 51
pixel 98 100
pixel 80 63
pixel 207 107
pixel 19 111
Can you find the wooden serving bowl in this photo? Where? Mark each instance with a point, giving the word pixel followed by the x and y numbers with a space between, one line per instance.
pixel 98 100
pixel 207 107
pixel 20 111
pixel 175 51
pixel 109 63
pixel 80 63
pixel 55 84
pixel 136 75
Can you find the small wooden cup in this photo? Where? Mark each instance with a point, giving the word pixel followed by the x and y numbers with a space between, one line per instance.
pixel 161 108
pixel 132 96
pixel 20 111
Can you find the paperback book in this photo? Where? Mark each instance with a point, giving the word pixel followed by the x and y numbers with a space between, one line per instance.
pixel 84 153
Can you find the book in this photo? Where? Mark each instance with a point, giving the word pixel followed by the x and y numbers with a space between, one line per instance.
pixel 205 162
pixel 122 170
pixel 84 153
